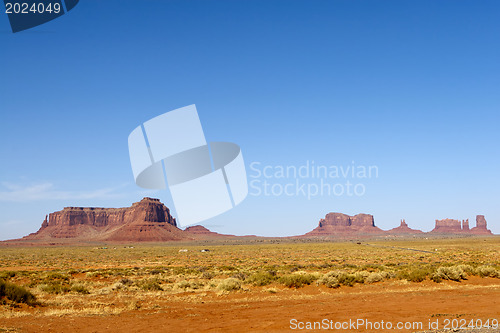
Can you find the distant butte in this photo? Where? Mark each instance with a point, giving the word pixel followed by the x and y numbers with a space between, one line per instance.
pixel 149 220
pixel 449 226
pixel 338 224
pixel 403 229
pixel 201 232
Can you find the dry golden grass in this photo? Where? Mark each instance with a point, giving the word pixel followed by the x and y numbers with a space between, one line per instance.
pixel 81 281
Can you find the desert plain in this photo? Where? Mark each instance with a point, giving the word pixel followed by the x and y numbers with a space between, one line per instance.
pixel 263 285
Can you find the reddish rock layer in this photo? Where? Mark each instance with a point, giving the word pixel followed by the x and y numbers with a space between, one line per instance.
pixel 150 220
pixel 147 220
pixel 200 232
pixel 337 224
pixel 449 226
pixel 481 227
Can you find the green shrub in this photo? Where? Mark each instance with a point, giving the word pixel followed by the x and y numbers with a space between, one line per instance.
pixel 184 284
pixel 452 273
pixel 16 293
pixel 297 280
pixel 388 275
pixel 55 288
pixel 360 277
pixel 295 268
pixel 93 274
pixel 467 269
pixel 488 271
pixel 126 282
pixel 240 276
pixel 374 277
pixel 80 289
pixel 436 278
pixel 55 276
pixel 346 279
pixel 261 278
pixel 229 284
pixel 329 281
pixel 415 275
pixel 7 275
pixel 150 285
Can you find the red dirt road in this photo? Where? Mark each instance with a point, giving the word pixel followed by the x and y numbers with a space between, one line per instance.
pixel 259 311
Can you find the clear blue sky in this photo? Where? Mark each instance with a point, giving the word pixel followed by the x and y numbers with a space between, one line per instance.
pixel 412 87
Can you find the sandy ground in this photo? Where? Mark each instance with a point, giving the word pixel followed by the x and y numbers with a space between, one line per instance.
pixel 262 311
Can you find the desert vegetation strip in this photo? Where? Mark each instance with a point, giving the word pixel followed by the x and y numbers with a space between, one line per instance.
pixel 399 248
pixel 107 280
pixel 16 294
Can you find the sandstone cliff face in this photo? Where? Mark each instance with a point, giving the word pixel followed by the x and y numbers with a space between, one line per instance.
pixel 148 209
pixel 343 220
pixel 449 226
pixel 481 227
pixel 363 220
pixel 335 220
pixel 150 220
pixel 147 220
pixel 480 222
pixel 465 225
pixel 337 224
pixel 342 225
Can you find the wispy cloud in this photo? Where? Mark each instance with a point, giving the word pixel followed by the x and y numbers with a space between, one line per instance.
pixel 47 191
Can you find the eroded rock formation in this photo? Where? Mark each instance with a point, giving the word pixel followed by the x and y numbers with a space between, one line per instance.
pixel 403 229
pixel 481 227
pixel 465 225
pixel 147 220
pixel 449 226
pixel 200 232
pixel 150 220
pixel 338 224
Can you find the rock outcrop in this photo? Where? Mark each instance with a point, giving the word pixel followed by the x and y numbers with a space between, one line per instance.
pixel 343 220
pixel 344 226
pixel 150 220
pixel 481 227
pixel 338 224
pixel 147 220
pixel 449 226
pixel 200 232
pixel 403 229
pixel 465 225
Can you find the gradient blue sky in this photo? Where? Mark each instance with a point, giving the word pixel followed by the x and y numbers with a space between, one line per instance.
pixel 412 87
